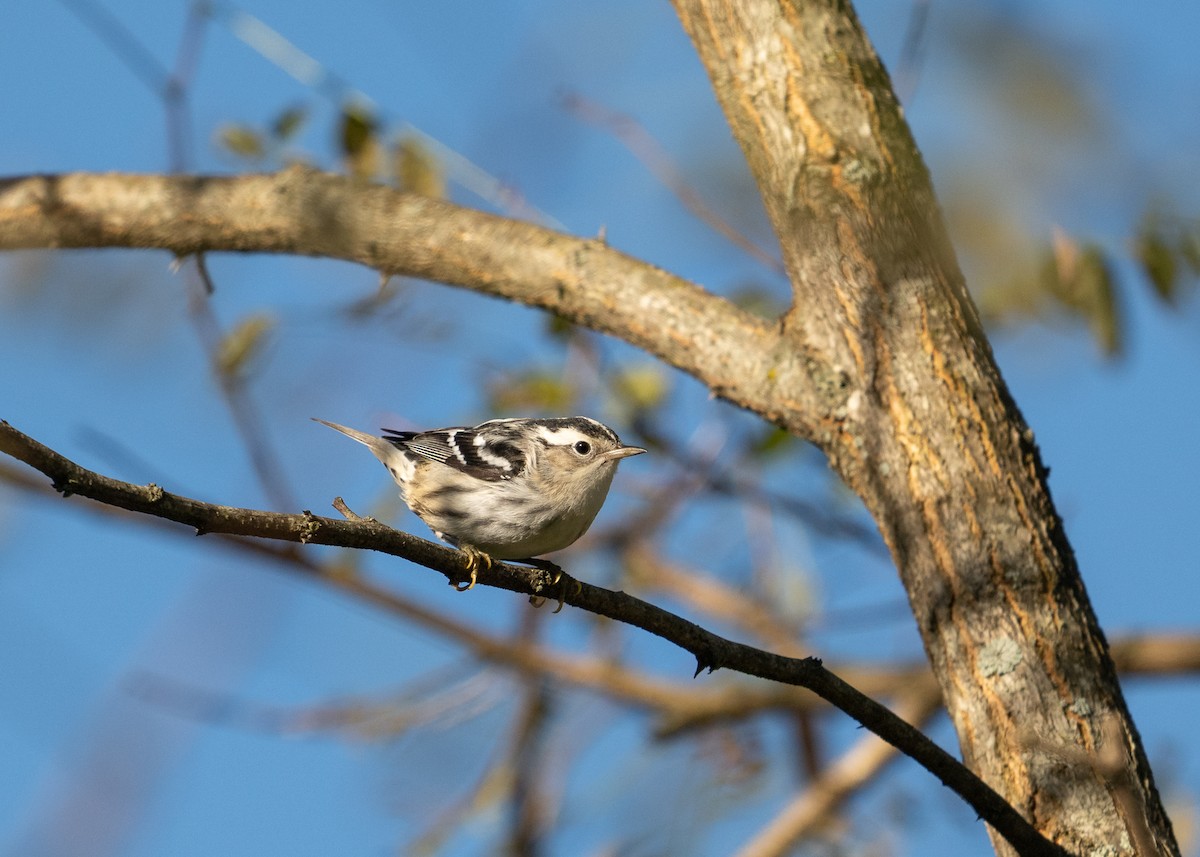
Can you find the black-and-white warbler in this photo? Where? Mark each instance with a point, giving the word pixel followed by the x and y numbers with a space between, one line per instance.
pixel 505 489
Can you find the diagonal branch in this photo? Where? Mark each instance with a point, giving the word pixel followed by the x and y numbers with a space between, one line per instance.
pixel 676 706
pixel 711 651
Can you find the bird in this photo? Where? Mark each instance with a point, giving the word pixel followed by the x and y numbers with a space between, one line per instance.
pixel 506 489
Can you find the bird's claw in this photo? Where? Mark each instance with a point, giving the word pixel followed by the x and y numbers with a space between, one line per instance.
pixel 476 559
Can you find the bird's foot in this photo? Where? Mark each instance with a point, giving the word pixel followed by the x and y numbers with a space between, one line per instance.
pixel 476 560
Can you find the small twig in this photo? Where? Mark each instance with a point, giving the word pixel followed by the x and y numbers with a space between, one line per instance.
pixel 647 150
pixel 125 46
pixel 348 513
pixel 437 697
pixel 263 459
pixel 912 52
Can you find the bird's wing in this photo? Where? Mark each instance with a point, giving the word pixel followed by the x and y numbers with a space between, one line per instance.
pixel 487 455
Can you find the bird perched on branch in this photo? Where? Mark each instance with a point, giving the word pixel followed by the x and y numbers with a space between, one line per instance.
pixel 510 489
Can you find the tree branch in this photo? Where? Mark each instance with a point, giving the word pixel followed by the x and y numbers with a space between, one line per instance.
pixel 677 706
pixel 301 211
pixel 711 651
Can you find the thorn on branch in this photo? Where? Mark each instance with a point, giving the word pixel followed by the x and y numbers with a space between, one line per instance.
pixel 706 659
pixel 310 527
pixel 347 512
pixel 205 277
pixel 64 486
pixel 553 577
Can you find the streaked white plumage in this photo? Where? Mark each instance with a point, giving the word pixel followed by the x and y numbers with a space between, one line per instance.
pixel 504 489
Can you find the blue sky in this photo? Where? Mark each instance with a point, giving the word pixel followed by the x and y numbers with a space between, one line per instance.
pixel 100 362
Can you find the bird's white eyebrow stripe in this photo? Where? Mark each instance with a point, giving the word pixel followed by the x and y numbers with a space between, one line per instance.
pixel 563 436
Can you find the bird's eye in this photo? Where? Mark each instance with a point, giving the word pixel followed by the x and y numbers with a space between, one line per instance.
pixel 582 447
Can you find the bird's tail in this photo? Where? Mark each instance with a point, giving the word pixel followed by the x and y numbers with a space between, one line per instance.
pixel 399 464
pixel 361 436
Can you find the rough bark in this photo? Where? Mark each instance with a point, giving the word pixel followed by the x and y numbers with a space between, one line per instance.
pixel 923 427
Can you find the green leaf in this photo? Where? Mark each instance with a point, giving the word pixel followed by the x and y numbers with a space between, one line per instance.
pixel 1080 277
pixel 241 345
pixel 241 140
pixel 288 123
pixel 1103 312
pixel 1189 250
pixel 358 137
pixel 417 170
pixel 772 440
pixel 559 327
pixel 641 387
pixel 1158 263
pixel 532 392
pixel 357 129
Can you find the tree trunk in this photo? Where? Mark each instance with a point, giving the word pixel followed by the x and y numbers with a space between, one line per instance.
pixel 918 422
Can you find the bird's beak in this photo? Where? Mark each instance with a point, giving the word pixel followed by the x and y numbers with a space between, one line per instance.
pixel 623 452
